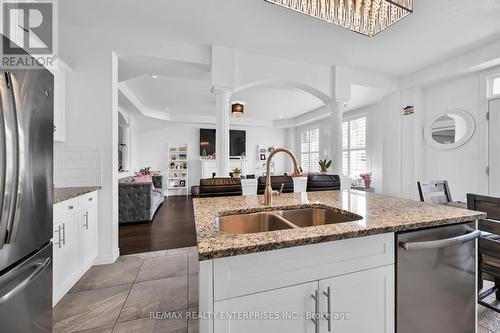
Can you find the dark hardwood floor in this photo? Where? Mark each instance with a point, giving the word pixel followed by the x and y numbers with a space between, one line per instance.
pixel 172 227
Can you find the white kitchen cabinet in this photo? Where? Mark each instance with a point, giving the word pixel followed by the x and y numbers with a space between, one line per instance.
pixel 359 302
pixel 358 272
pixel 66 267
pixel 88 233
pixel 75 241
pixel 285 307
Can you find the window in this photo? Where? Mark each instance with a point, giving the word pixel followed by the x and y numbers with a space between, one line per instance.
pixel 495 86
pixel 354 160
pixel 309 150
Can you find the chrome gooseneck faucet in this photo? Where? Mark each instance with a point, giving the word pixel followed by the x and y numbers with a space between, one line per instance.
pixel 268 193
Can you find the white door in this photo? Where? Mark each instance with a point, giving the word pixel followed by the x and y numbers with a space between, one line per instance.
pixel 291 305
pixel 89 236
pixel 359 302
pixel 494 148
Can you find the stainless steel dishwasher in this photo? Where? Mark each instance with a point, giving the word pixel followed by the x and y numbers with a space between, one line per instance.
pixel 436 280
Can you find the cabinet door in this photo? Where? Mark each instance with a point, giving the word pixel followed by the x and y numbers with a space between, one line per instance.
pixel 359 302
pixel 291 305
pixel 88 229
pixel 66 264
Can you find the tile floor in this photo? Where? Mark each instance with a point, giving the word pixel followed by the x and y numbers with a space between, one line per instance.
pixel 488 320
pixel 119 297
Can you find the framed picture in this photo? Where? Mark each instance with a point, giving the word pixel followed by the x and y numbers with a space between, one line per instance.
pixel 182 183
pixel 262 157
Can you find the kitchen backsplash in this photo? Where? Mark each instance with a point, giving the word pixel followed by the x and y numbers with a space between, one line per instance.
pixel 76 166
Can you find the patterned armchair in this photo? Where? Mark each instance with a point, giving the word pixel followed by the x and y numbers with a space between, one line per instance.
pixel 139 201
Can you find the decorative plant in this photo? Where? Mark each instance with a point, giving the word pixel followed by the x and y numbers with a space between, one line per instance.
pixel 237 172
pixel 367 178
pixel 324 164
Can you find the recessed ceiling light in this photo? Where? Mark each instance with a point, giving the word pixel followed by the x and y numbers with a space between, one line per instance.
pixel 155 76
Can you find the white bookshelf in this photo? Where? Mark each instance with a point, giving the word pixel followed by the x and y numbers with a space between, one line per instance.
pixel 178 171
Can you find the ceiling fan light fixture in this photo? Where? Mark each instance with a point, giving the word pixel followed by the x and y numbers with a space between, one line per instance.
pixel 367 17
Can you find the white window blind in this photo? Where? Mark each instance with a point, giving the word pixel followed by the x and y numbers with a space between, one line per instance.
pixel 309 150
pixel 354 159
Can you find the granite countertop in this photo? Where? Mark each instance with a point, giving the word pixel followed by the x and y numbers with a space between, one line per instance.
pixel 381 214
pixel 66 193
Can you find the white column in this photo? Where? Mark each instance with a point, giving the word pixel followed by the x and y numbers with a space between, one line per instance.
pixel 335 153
pixel 222 99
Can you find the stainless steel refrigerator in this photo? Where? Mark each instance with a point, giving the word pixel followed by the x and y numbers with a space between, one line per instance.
pixel 26 149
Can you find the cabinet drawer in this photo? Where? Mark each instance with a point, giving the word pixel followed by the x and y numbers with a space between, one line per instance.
pixel 87 200
pixel 65 208
pixel 257 272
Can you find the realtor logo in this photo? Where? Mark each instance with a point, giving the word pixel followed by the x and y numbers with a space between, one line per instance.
pixel 30 27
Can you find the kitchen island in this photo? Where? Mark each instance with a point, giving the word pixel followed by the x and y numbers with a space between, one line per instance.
pixel 287 280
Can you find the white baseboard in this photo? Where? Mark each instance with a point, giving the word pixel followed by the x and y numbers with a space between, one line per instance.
pixel 107 259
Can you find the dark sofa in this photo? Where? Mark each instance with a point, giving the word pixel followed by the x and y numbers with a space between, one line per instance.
pixel 276 182
pixel 218 187
pixel 323 183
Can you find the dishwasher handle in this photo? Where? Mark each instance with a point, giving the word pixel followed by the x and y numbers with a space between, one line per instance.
pixel 440 243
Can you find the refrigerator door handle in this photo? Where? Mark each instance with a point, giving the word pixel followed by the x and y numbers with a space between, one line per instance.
pixel 8 153
pixel 441 243
pixel 39 266
pixel 19 144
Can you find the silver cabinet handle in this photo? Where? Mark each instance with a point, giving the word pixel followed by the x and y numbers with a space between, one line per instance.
pixel 329 308
pixel 315 320
pixel 64 234
pixel 86 225
pixel 38 265
pixel 59 237
pixel 440 243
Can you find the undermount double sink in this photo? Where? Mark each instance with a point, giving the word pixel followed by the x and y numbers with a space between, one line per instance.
pixel 283 219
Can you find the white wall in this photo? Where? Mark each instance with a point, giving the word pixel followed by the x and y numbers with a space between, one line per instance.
pixel 462 167
pixel 399 153
pixel 90 120
pixel 92 105
pixel 154 137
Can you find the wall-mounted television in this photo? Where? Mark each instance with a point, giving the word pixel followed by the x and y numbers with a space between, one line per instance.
pixel 237 142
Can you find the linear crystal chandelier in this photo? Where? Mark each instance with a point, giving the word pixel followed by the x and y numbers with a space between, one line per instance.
pixel 368 17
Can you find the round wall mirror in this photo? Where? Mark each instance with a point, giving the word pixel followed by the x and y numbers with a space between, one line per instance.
pixel 450 130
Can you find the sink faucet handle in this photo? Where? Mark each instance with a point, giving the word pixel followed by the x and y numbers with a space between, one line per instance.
pixel 281 188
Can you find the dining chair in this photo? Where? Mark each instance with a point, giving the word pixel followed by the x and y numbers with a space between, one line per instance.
pixel 436 192
pixel 488 246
